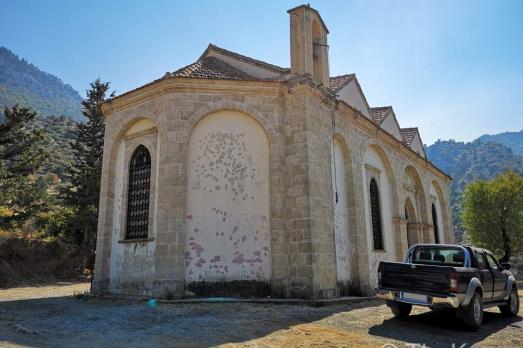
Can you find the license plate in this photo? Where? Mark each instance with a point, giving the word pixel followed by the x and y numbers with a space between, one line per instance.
pixel 414 297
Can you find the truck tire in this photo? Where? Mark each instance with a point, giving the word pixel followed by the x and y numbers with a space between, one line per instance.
pixel 511 309
pixel 472 314
pixel 400 309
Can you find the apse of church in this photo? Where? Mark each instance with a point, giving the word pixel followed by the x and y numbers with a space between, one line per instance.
pixel 235 177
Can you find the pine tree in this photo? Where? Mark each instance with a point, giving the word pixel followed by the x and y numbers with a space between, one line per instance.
pixel 85 172
pixel 21 155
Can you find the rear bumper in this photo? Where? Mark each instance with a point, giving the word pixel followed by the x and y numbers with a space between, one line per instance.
pixel 452 300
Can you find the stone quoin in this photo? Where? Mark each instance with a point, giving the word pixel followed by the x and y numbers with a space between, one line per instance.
pixel 235 177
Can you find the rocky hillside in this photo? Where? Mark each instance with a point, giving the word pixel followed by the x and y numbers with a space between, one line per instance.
pixel 25 84
pixel 513 140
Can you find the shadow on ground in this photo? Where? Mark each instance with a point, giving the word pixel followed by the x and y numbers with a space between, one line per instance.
pixel 442 328
pixel 66 321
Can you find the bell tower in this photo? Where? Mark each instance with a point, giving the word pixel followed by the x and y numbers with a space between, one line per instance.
pixel 309 49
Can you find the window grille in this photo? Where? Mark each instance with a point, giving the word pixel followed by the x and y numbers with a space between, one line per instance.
pixel 435 223
pixel 377 233
pixel 138 194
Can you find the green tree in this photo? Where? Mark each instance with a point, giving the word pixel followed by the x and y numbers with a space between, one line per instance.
pixel 84 174
pixel 22 193
pixel 493 214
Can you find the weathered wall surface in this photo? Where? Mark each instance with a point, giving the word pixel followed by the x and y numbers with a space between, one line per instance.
pixel 341 213
pixel 228 206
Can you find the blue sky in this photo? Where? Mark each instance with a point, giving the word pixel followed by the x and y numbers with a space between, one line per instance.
pixel 452 68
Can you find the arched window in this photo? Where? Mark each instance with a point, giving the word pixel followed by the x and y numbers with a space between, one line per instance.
pixel 375 213
pixel 435 223
pixel 138 194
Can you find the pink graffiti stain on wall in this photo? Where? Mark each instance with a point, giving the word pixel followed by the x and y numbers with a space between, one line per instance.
pixel 196 247
pixel 239 259
pixel 200 262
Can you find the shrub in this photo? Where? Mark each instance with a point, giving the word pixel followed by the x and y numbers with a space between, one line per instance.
pixel 57 223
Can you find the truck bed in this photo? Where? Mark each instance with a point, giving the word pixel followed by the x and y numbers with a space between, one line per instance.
pixel 417 278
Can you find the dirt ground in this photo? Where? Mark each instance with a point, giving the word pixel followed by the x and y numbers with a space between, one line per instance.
pixel 50 316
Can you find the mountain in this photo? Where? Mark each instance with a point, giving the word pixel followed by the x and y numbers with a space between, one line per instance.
pixel 514 140
pixel 467 162
pixel 25 84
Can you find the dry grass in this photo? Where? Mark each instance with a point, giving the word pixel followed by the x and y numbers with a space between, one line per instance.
pixel 27 260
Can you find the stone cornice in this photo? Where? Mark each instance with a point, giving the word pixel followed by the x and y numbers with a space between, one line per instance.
pixel 185 85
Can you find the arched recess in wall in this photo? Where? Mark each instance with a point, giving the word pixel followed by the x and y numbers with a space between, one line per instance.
pixel 343 236
pixel 419 193
pixel 441 212
pixel 376 165
pixel 410 217
pixel 133 175
pixel 227 211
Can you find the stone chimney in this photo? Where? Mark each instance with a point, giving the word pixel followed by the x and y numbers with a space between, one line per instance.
pixel 309 49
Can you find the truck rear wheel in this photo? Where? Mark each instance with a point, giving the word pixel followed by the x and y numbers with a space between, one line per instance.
pixel 472 314
pixel 511 309
pixel 400 309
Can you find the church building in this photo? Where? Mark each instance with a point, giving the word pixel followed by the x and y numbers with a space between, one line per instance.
pixel 235 177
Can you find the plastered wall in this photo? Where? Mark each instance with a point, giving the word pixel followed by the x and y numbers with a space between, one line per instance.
pixel 227 219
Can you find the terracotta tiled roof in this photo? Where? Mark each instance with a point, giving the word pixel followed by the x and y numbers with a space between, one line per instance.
pixel 379 113
pixel 408 134
pixel 337 82
pixel 212 68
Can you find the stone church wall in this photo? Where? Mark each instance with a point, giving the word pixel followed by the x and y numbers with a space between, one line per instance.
pixel 284 240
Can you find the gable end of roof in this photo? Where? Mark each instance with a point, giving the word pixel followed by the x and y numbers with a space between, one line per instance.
pixel 379 114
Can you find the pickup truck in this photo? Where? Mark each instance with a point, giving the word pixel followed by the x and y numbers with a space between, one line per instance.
pixel 464 278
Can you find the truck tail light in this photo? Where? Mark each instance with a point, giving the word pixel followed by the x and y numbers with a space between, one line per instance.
pixel 453 286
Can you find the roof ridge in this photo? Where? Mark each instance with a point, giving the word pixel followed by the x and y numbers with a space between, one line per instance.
pixel 248 59
pixel 212 67
pixel 343 75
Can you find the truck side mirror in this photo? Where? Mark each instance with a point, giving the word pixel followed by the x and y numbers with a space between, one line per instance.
pixel 506 266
